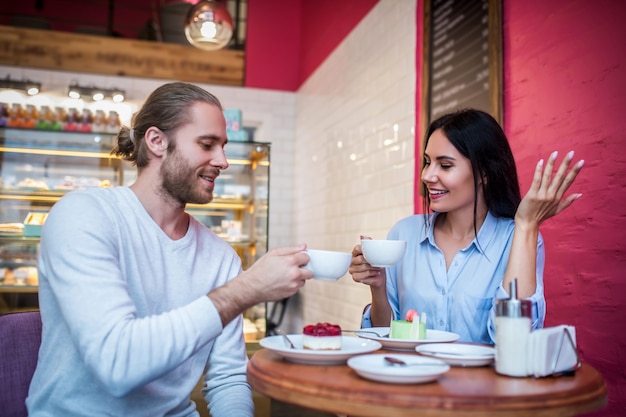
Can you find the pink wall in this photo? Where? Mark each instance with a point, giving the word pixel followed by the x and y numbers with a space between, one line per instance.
pixel 289 39
pixel 565 88
pixel 419 124
pixel 273 46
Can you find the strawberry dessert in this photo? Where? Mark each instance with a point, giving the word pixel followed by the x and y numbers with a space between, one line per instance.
pixel 413 328
pixel 322 336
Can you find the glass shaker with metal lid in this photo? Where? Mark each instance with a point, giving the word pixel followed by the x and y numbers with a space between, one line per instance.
pixel 513 325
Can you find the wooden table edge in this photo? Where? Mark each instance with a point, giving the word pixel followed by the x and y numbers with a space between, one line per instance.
pixel 329 401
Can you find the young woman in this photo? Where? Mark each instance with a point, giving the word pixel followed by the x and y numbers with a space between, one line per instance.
pixel 476 235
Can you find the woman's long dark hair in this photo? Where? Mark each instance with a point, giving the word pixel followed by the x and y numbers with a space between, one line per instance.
pixel 479 138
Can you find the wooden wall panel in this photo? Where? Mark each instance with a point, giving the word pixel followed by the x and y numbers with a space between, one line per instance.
pixel 114 56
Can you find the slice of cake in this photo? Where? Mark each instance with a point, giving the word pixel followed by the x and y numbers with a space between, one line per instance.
pixel 413 328
pixel 322 336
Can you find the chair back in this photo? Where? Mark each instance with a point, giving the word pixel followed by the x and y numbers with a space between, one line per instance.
pixel 20 337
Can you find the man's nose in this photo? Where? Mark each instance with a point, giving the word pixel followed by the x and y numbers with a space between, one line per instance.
pixel 222 161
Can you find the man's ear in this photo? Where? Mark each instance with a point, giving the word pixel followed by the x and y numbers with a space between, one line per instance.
pixel 156 141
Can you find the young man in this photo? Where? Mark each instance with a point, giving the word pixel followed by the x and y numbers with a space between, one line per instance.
pixel 138 299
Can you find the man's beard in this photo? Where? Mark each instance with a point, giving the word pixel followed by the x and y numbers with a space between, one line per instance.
pixel 179 181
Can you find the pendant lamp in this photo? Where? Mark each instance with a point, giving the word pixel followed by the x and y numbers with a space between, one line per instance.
pixel 208 25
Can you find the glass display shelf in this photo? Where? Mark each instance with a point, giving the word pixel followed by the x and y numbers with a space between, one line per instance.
pixel 38 167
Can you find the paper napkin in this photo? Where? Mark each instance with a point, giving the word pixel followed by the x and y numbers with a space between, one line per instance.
pixel 552 350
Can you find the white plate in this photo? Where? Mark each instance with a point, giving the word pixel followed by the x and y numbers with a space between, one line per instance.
pixel 432 336
pixel 374 367
pixel 459 354
pixel 350 346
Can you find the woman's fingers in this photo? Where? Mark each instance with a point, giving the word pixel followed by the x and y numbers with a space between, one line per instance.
pixel 555 185
pixel 563 179
pixel 545 198
pixel 547 172
pixel 372 277
pixel 570 177
pixel 566 202
pixel 359 264
pixel 548 186
pixel 536 184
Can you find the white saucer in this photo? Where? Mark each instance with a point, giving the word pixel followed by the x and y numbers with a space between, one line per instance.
pixel 459 354
pixel 381 335
pixel 374 367
pixel 350 346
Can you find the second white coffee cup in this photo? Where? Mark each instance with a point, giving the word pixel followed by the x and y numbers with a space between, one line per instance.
pixel 328 265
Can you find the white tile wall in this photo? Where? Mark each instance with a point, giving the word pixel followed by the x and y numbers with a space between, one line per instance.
pixel 342 147
pixel 354 153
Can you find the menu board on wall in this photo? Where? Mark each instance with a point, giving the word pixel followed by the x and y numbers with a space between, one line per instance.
pixel 462 57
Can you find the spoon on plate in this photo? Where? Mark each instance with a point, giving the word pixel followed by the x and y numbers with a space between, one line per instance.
pixel 365 331
pixel 390 360
pixel 443 353
pixel 287 339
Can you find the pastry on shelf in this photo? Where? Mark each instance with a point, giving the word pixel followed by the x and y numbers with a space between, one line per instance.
pixel 249 330
pixel 9 278
pixel 12 228
pixel 26 275
pixel 67 184
pixel 32 184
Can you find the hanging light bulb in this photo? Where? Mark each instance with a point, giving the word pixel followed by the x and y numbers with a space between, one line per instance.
pixel 208 25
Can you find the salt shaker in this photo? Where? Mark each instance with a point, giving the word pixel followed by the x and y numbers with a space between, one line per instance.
pixel 512 334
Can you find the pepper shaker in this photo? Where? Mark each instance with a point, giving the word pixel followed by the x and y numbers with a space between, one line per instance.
pixel 513 326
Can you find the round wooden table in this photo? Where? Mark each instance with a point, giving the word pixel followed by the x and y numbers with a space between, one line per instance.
pixel 460 392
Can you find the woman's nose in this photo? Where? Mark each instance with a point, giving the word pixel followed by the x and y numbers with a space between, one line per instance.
pixel 427 174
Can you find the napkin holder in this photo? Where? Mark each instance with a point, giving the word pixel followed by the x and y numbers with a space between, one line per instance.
pixel 552 351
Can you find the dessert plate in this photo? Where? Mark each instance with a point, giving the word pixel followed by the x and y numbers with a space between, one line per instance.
pixel 380 334
pixel 375 367
pixel 350 346
pixel 459 354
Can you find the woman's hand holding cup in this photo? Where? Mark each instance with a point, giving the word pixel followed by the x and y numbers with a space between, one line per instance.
pixel 362 271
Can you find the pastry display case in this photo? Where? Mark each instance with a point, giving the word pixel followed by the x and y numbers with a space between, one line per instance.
pixel 38 167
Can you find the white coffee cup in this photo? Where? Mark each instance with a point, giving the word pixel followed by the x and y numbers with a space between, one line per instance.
pixel 328 265
pixel 383 253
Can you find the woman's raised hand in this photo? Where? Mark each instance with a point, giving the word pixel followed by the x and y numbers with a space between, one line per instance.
pixel 362 271
pixel 545 198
